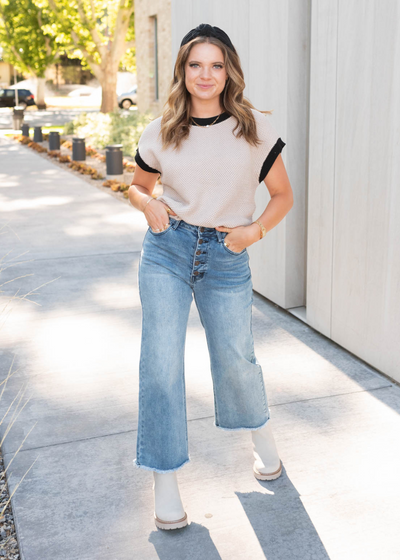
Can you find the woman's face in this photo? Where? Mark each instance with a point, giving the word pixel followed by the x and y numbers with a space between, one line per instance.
pixel 205 73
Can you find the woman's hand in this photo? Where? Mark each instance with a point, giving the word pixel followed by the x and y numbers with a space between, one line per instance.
pixel 156 214
pixel 240 237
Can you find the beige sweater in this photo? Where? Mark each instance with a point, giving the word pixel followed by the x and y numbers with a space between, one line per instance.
pixel 212 179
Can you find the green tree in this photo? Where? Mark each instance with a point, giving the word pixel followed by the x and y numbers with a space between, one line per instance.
pixel 102 32
pixel 30 38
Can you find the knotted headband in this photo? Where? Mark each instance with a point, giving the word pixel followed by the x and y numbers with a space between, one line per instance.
pixel 207 30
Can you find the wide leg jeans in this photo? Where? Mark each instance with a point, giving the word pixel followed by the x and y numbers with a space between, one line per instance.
pixel 177 264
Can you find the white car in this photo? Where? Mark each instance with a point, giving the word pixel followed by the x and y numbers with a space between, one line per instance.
pixel 82 91
pixel 125 100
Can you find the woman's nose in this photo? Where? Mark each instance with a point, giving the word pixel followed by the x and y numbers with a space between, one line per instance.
pixel 205 72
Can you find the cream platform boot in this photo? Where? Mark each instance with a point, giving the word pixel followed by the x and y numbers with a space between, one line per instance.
pixel 267 464
pixel 168 507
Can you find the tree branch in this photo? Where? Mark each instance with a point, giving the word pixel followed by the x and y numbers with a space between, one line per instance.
pixel 89 58
pixel 125 11
pixel 91 27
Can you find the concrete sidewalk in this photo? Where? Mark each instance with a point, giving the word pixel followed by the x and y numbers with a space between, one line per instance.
pixel 336 420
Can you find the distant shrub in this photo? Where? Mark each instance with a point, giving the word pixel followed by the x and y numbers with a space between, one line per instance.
pixel 111 128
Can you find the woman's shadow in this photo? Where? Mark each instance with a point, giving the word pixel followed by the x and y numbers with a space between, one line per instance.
pixel 278 518
pixel 192 542
pixel 281 522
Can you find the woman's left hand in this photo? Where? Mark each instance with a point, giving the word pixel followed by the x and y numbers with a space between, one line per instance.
pixel 240 237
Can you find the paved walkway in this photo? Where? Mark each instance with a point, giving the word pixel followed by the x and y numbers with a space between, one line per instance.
pixel 336 420
pixel 50 117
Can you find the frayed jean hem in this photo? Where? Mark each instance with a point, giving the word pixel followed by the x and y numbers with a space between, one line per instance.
pixel 160 471
pixel 243 429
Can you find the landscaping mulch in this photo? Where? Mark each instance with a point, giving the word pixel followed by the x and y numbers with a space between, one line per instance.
pixel 8 539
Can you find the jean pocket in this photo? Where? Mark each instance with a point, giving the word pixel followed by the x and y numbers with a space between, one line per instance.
pixel 233 252
pixel 229 251
pixel 159 232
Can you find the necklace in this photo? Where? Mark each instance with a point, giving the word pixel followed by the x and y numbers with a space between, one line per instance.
pixel 206 125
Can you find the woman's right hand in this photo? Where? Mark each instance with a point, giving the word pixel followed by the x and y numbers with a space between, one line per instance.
pixel 157 216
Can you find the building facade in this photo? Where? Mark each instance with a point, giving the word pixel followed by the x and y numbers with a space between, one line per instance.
pixel 153 53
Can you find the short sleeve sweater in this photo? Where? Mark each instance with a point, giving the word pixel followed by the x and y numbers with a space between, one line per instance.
pixel 212 178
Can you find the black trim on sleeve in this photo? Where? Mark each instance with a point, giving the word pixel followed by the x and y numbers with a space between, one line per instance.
pixel 271 157
pixel 144 165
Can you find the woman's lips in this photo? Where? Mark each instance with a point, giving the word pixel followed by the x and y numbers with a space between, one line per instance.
pixel 204 86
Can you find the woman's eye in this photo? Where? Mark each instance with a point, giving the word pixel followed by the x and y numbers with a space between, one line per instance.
pixel 194 64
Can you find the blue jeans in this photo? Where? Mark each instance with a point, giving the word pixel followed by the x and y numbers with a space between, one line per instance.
pixel 175 264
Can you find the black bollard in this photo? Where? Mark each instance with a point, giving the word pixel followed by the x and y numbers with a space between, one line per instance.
pixel 54 140
pixel 114 160
pixel 18 117
pixel 25 129
pixel 78 149
pixel 37 134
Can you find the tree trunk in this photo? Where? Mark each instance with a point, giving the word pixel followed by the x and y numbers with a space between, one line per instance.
pixel 108 84
pixel 40 102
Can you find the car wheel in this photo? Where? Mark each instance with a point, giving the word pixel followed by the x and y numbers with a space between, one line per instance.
pixel 126 103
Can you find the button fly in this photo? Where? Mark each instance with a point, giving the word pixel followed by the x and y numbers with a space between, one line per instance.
pixel 200 241
pixel 196 272
pixel 196 262
pixel 201 229
pixel 198 252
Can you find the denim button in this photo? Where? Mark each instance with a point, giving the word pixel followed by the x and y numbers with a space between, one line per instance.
pixel 196 272
pixel 200 241
pixel 196 262
pixel 201 229
pixel 198 252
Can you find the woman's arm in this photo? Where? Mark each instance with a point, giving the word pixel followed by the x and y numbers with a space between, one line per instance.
pixel 278 185
pixel 141 189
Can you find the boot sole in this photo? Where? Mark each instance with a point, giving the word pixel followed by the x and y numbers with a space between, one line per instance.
pixel 167 525
pixel 268 476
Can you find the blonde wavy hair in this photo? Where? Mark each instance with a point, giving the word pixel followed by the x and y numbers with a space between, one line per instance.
pixel 175 122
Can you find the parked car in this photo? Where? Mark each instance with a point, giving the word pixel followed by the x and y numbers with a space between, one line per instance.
pixel 125 100
pixel 7 97
pixel 82 91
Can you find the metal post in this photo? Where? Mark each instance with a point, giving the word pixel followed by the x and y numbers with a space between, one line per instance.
pixel 37 134
pixel 25 129
pixel 54 140
pixel 16 89
pixel 78 149
pixel 114 166
pixel 18 117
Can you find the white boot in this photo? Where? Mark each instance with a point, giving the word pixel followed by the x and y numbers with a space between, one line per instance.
pixel 168 507
pixel 267 464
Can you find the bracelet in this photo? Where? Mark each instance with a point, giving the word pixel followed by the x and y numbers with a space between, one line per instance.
pixel 263 231
pixel 147 201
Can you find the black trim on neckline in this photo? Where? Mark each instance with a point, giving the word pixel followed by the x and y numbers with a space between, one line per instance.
pixel 270 159
pixel 208 120
pixel 143 165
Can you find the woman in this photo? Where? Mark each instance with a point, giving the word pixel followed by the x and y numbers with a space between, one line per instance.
pixel 212 149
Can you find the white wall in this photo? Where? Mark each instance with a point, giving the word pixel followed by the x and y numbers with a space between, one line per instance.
pixel 272 42
pixel 353 289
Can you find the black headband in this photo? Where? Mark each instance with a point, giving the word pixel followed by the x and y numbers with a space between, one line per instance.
pixel 207 30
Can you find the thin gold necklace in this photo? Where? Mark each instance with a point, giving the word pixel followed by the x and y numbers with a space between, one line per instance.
pixel 206 125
